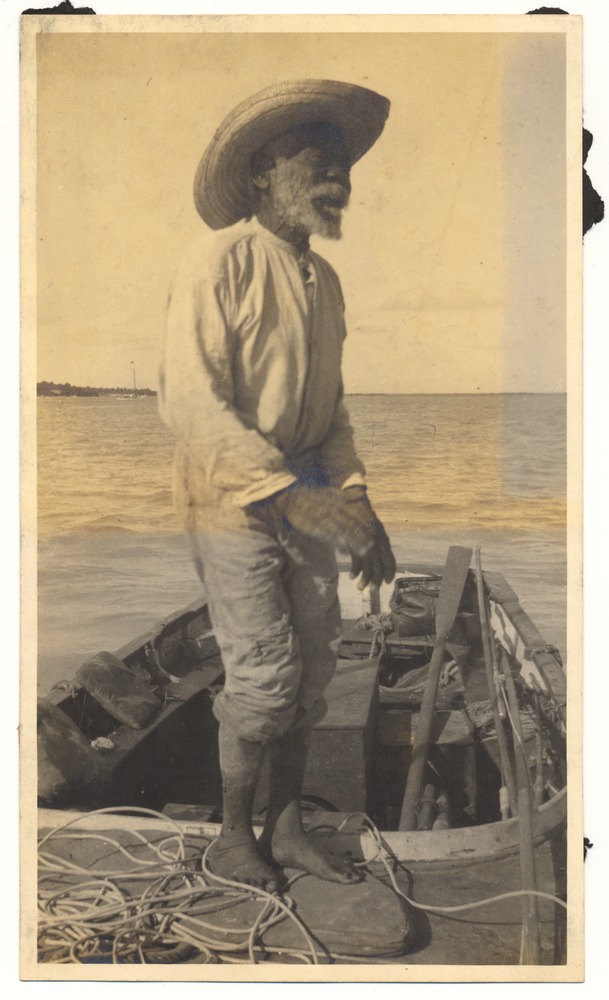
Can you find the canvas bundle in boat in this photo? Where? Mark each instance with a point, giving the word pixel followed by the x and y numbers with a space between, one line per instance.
pixel 413 606
pixel 122 693
pixel 68 768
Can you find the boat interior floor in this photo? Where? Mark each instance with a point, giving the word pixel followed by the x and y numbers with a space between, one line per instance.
pixel 343 924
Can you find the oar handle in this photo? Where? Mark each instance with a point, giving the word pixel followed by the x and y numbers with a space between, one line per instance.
pixel 449 598
pixel 490 665
pixel 530 945
pixel 420 750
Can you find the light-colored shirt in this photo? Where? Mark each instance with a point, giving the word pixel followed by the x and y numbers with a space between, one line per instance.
pixel 250 378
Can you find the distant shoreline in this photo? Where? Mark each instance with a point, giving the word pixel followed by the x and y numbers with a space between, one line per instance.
pixel 53 390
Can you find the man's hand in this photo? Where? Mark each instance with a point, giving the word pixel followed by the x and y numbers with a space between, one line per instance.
pixel 343 518
pixel 322 512
pixel 377 564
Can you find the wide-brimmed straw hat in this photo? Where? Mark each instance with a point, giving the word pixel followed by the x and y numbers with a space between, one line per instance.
pixel 222 186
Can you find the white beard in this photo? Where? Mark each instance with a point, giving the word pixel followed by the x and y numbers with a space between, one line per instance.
pixel 298 205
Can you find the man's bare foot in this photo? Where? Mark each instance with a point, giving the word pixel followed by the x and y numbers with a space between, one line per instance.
pixel 298 850
pixel 237 859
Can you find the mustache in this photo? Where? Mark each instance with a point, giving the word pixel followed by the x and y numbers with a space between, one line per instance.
pixel 336 192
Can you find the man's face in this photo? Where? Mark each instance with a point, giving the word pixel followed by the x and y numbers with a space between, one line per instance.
pixel 310 189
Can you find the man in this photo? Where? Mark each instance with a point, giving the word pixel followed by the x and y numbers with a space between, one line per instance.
pixel 268 478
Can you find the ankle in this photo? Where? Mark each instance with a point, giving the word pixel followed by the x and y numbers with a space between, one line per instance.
pixel 236 837
pixel 288 824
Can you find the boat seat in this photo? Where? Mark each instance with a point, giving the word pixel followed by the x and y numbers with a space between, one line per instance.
pixel 341 750
pixel 397 726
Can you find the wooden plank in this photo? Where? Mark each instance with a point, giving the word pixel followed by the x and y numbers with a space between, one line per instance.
pixel 350 695
pixel 342 743
pixel 472 843
pixel 397 727
pixel 449 599
pixel 354 635
pixel 181 617
pixel 131 650
pixel 338 762
pixel 126 739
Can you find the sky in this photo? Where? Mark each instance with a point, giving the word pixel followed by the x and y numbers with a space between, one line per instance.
pixel 453 254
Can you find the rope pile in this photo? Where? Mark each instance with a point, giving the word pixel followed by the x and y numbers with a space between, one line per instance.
pixel 161 909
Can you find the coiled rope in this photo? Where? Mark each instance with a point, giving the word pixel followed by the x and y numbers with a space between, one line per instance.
pixel 98 920
pixel 482 718
pixel 163 911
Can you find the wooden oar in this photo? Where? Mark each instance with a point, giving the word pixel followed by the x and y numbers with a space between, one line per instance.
pixel 375 599
pixel 449 598
pixel 529 942
pixel 489 663
pixel 519 792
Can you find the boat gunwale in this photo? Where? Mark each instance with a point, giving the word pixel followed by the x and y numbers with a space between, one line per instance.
pixel 475 844
pixel 500 592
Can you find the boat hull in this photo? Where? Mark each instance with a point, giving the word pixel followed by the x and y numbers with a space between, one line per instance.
pixel 461 883
pixel 149 748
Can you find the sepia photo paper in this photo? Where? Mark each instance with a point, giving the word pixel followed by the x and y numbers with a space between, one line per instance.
pixel 294 703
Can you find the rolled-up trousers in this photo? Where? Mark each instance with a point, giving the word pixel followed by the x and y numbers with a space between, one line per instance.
pixel 272 594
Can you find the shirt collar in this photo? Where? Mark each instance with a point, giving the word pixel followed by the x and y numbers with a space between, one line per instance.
pixel 303 259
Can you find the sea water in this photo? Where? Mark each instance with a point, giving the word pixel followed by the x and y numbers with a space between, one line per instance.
pixel 443 470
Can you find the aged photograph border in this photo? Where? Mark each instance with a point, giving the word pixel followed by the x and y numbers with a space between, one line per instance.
pixel 436 974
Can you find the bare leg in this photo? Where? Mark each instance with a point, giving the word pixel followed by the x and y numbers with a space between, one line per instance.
pixel 283 837
pixel 235 855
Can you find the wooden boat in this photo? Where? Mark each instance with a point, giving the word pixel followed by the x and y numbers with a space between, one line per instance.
pixel 468 844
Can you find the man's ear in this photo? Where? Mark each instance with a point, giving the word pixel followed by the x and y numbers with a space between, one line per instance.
pixel 261 164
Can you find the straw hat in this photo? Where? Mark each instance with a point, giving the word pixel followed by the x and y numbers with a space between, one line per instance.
pixel 222 182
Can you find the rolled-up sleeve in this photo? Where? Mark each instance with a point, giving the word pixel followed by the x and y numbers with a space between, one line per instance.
pixel 196 390
pixel 343 467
